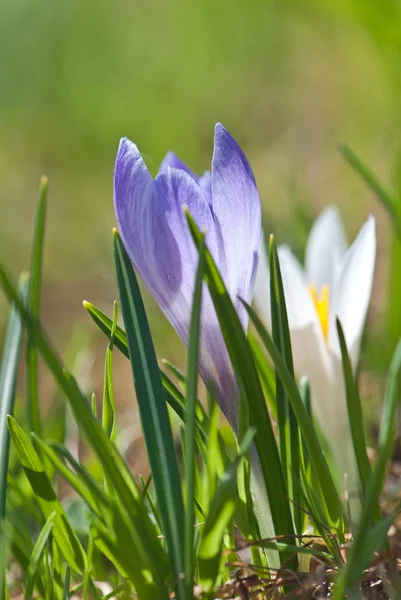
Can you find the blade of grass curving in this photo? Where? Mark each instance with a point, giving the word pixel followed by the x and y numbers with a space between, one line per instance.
pixel 109 408
pixel 34 307
pixel 174 396
pixel 317 458
pixel 355 419
pixel 387 197
pixel 63 533
pixel 192 397
pixel 175 371
pixel 153 411
pixel 289 437
pixel 83 484
pixel 36 555
pixel 8 375
pixel 376 483
pixel 145 555
pixel 220 515
pixel 244 366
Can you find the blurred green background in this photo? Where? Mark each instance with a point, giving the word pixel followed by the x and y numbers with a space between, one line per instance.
pixel 290 80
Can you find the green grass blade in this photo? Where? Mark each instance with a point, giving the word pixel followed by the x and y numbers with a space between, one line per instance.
pixel 304 392
pixel 192 396
pixel 375 540
pixel 109 408
pixel 266 374
pixel 153 411
pixel 317 458
pixel 289 440
pixel 355 418
pixel 36 555
pixel 83 484
pixel 386 441
pixel 8 375
pixel 175 371
pixel 35 284
pixel 244 366
pixel 387 197
pixel 145 558
pixel 66 591
pixel 220 515
pixel 63 533
pixel 174 396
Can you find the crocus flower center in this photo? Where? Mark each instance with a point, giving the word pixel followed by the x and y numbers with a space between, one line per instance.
pixel 321 303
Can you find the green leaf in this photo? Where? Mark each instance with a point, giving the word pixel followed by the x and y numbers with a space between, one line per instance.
pixel 355 418
pixel 63 533
pixel 375 540
pixel 266 374
pixel 109 408
pixel 153 411
pixel 142 555
pixel 81 482
pixel 192 396
pixel 388 198
pixel 8 375
pixel 173 395
pixel 37 554
pixel 220 515
pixel 34 307
pixel 386 441
pixel 176 372
pixel 316 455
pixel 66 591
pixel 244 366
pixel 287 424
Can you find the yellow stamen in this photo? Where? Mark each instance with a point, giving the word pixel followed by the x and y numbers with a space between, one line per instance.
pixel 322 306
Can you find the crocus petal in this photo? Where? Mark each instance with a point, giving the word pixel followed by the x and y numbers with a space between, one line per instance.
pixel 155 232
pixel 156 236
pixel 204 181
pixel 172 160
pixel 353 291
pixel 237 211
pixel 325 248
pixel 308 344
pixel 300 308
pixel 205 184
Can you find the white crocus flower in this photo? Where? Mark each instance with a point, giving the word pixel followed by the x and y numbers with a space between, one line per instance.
pixel 336 282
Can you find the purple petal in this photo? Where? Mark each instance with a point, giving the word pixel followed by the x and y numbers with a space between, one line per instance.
pixel 204 181
pixel 205 184
pixel 237 211
pixel 134 199
pixel 153 227
pixel 172 160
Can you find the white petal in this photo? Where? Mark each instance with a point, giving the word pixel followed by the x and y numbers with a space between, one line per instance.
pixel 353 290
pixel 309 348
pixel 325 248
pixel 300 308
pixel 261 295
pixel 330 409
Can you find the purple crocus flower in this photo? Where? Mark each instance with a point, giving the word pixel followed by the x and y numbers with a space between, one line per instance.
pixel 225 204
